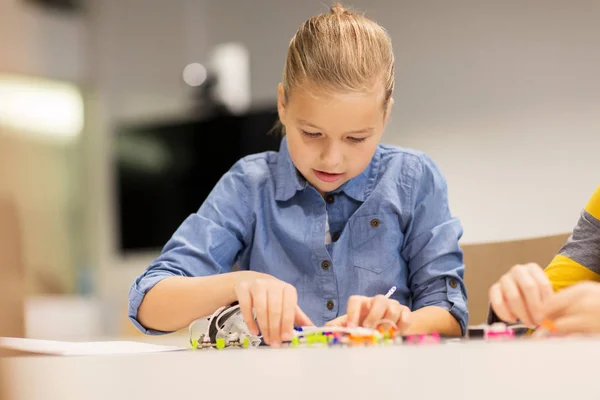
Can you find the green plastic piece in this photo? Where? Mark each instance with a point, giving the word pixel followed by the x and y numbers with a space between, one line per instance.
pixel 246 343
pixel 220 343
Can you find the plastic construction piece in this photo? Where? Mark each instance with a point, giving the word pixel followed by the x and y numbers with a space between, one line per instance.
pixel 224 328
pixel 422 338
pixel 546 328
pixel 499 331
pixel 362 339
pixel 335 336
pixel 549 326
pixel 387 328
pixel 476 332
pixel 315 337
pixel 495 331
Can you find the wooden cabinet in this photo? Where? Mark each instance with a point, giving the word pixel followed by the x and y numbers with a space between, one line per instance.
pixel 12 273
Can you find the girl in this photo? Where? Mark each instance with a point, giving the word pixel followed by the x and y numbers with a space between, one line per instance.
pixel 330 222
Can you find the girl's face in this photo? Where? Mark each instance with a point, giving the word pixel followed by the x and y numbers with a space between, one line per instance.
pixel 332 137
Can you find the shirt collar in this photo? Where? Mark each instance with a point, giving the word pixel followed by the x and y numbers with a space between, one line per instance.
pixel 289 180
pixel 361 185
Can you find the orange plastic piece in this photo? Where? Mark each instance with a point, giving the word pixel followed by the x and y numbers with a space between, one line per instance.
pixel 548 325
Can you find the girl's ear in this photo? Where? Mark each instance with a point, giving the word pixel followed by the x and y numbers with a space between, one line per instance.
pixel 281 103
pixel 388 110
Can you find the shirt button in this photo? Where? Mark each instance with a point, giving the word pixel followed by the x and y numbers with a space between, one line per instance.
pixel 335 237
pixel 375 222
pixel 325 265
pixel 453 283
pixel 330 199
pixel 330 304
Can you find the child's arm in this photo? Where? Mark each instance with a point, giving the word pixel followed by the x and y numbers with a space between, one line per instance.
pixel 433 319
pixel 434 257
pixel 176 300
pixel 185 282
pixel 192 277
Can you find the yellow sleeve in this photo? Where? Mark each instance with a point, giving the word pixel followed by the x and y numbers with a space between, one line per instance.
pixel 579 259
pixel 563 272
pixel 593 206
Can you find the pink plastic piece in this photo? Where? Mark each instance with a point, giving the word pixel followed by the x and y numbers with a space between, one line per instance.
pixel 508 333
pixel 423 338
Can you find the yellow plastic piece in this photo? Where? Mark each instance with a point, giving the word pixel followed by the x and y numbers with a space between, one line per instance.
pixel 220 343
pixel 246 343
pixel 194 344
pixel 295 341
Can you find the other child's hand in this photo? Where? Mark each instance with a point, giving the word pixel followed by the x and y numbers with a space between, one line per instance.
pixel 519 295
pixel 575 309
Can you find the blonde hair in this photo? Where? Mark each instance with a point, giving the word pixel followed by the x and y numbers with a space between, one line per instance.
pixel 340 51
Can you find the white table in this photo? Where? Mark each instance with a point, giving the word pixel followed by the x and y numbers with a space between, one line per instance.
pixel 550 369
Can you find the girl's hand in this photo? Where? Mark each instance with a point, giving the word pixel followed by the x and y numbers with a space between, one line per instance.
pixel 276 305
pixel 368 311
pixel 575 309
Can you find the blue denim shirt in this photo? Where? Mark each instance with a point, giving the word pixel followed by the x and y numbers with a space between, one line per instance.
pixel 391 226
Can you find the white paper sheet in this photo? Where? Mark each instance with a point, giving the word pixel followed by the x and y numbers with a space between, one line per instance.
pixel 82 348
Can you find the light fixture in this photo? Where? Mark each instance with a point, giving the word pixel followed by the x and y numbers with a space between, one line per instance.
pixel 231 64
pixel 40 107
pixel 194 74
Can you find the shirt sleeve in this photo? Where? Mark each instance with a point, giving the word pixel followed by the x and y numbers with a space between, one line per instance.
pixel 579 258
pixel 207 242
pixel 431 249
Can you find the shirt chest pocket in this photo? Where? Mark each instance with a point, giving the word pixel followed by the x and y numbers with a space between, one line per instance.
pixel 376 241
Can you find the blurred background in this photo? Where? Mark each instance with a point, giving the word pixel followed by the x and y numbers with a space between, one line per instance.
pixel 118 116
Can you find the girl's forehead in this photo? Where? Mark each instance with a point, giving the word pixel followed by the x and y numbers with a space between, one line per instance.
pixel 331 90
pixel 337 113
pixel 314 99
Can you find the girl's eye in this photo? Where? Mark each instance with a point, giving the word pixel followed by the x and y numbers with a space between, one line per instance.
pixel 356 140
pixel 311 134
